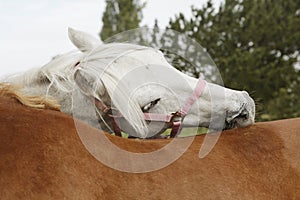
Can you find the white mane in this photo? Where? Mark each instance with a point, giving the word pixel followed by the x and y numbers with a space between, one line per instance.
pixel 60 71
pixel 107 67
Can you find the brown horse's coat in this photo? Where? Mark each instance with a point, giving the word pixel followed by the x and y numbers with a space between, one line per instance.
pixel 42 157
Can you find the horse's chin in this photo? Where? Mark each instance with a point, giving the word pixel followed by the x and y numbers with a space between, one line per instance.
pixel 230 125
pixel 238 123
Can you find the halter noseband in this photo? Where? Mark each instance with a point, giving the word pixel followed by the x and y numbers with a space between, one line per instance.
pixel 174 119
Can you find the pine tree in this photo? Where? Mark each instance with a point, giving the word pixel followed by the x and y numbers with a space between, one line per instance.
pixel 119 16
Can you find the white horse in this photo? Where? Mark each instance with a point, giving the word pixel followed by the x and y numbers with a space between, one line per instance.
pixel 126 81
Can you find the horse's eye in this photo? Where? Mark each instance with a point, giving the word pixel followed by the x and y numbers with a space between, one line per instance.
pixel 76 64
pixel 150 105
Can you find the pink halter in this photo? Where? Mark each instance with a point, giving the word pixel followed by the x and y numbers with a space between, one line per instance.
pixel 175 119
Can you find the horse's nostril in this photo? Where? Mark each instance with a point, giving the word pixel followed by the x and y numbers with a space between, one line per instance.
pixel 243 116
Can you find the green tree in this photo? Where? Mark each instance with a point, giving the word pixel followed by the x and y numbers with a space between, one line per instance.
pixel 255 44
pixel 121 15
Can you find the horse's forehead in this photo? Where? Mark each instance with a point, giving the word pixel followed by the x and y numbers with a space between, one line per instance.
pixel 124 53
pixel 123 62
pixel 63 61
pixel 149 55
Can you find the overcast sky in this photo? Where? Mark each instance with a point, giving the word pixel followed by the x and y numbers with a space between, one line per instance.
pixel 33 31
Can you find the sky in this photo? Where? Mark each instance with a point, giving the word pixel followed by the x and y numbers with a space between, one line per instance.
pixel 33 31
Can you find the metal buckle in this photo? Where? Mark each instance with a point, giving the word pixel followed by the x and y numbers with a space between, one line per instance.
pixel 176 116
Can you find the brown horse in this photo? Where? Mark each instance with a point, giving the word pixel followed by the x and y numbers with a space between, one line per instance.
pixel 42 157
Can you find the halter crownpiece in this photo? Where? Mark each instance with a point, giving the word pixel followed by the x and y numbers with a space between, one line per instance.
pixel 174 119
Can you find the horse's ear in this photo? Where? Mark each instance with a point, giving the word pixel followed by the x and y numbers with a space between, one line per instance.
pixel 82 40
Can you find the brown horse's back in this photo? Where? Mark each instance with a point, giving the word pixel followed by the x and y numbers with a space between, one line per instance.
pixel 42 157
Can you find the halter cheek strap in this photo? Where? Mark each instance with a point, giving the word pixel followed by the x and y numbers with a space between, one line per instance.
pixel 175 119
pixel 177 125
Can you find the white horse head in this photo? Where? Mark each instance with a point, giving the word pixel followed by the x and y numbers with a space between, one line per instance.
pixel 133 79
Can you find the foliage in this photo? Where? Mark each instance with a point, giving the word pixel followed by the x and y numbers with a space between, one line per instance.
pixel 255 44
pixel 121 15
